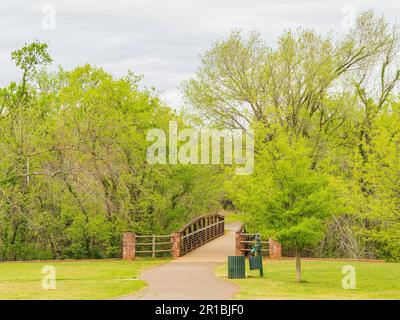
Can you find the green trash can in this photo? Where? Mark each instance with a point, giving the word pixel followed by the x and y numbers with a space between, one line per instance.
pixel 255 262
pixel 236 267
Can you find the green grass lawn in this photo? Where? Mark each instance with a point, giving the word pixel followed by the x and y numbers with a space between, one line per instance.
pixel 322 280
pixel 97 279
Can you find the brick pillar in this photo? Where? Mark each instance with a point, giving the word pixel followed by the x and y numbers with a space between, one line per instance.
pixel 128 246
pixel 275 249
pixel 238 245
pixel 176 244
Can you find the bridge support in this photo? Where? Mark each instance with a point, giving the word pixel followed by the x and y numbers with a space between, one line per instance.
pixel 128 246
pixel 176 244
pixel 238 244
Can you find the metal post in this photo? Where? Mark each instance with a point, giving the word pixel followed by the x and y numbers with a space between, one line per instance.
pixel 176 244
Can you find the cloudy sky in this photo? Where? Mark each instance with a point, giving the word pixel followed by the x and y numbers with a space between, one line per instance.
pixel 161 39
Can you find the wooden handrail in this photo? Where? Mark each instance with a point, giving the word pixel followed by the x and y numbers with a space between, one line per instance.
pixel 151 236
pixel 151 243
pixel 254 241
pixel 151 251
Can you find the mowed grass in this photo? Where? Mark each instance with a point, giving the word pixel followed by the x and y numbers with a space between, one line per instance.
pixel 322 280
pixel 97 279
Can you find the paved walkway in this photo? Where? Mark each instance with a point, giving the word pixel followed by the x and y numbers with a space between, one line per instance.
pixel 192 276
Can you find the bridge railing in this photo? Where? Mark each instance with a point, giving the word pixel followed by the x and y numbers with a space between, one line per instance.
pixel 200 231
pixel 193 235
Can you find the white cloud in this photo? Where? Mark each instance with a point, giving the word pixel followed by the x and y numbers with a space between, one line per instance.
pixel 161 39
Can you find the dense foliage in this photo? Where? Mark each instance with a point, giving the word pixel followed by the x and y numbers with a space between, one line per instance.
pixel 73 169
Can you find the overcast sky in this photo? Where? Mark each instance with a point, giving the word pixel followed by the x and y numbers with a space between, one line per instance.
pixel 161 39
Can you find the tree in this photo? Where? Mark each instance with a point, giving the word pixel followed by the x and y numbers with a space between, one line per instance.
pixel 29 58
pixel 19 119
pixel 285 198
pixel 241 80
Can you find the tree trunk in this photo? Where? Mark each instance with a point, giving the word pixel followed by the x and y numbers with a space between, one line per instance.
pixel 298 267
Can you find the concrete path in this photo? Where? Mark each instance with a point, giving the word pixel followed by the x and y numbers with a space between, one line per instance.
pixel 192 276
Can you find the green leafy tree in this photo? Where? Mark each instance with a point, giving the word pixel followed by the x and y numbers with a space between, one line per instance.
pixel 285 198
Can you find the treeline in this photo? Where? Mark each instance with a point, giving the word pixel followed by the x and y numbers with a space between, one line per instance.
pixel 326 111
pixel 73 169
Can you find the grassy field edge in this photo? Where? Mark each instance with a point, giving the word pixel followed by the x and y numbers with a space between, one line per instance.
pixel 76 280
pixel 322 280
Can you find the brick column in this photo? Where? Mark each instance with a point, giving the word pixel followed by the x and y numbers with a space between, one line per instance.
pixel 238 245
pixel 176 244
pixel 275 249
pixel 128 246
